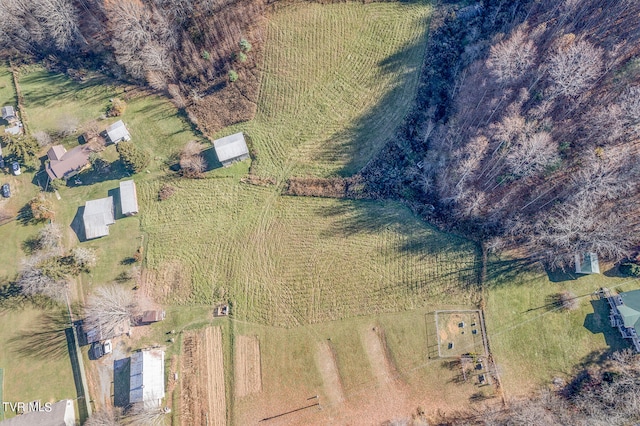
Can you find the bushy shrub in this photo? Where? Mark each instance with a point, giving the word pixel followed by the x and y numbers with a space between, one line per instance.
pixel 117 107
pixel 245 46
pixel 165 192
pixel 233 76
pixel 631 269
pixel 133 158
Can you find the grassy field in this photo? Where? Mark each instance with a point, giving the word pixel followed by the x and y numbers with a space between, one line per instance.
pixel 533 341
pixel 337 81
pixel 290 373
pixel 289 261
pixel 34 357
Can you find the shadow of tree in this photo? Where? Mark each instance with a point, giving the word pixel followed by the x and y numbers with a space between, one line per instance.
pixel 46 338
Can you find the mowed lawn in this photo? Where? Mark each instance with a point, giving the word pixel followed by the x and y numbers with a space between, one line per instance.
pixel 533 341
pixel 290 260
pixel 292 372
pixel 338 80
pixel 34 357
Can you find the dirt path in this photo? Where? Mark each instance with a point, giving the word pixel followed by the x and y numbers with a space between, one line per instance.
pixel 247 366
pixel 203 399
pixel 330 375
pixel 375 346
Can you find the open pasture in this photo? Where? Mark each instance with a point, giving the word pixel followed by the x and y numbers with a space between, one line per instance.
pixel 337 81
pixel 289 261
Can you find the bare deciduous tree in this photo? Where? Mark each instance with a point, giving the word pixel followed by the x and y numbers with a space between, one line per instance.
pixel 43 138
pixel 33 279
pixel 574 67
pixel 192 163
pixel 84 258
pixel 144 414
pixel 532 155
pixel 511 58
pixel 105 417
pixel 50 238
pixel 109 307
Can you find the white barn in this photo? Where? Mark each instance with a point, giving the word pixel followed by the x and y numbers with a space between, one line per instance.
pixel 118 132
pixel 128 198
pixel 97 216
pixel 147 377
pixel 231 148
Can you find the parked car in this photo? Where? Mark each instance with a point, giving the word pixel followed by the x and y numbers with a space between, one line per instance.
pixel 97 350
pixel 6 190
pixel 15 167
pixel 106 347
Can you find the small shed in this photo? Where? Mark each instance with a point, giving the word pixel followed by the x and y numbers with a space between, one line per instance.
pixel 16 129
pixel 587 263
pixel 147 377
pixel 128 198
pixel 97 216
pixel 118 132
pixel 62 413
pixel 97 334
pixel 9 114
pixel 149 317
pixel 231 148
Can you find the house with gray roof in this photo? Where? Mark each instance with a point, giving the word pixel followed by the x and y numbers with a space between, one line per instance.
pixel 231 148
pixel 625 314
pixel 62 413
pixel 97 216
pixel 128 198
pixel 118 132
pixel 147 377
pixel 9 114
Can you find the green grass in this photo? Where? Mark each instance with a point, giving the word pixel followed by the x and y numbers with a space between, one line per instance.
pixel 290 372
pixel 289 261
pixel 532 341
pixel 45 374
pixel 338 79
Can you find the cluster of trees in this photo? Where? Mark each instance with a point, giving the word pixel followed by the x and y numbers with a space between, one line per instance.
pixel 525 129
pixel 46 271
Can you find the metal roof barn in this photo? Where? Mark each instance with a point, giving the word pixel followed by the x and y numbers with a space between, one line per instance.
pixel 128 198
pixel 118 132
pixel 98 215
pixel 231 148
pixel 147 376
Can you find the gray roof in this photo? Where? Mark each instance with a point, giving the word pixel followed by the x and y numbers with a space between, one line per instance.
pixel 62 414
pixel 118 132
pixel 98 215
pixel 230 147
pixel 587 263
pixel 8 112
pixel 147 376
pixel 128 197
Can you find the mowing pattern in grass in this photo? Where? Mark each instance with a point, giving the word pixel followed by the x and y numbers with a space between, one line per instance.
pixel 288 261
pixel 337 81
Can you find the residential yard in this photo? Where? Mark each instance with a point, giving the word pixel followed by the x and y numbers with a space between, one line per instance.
pixel 34 356
pixel 338 79
pixel 533 341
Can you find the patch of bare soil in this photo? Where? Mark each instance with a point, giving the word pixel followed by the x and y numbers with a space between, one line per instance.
pixel 203 393
pixel 173 282
pixel 376 347
pixel 326 361
pixel 247 366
